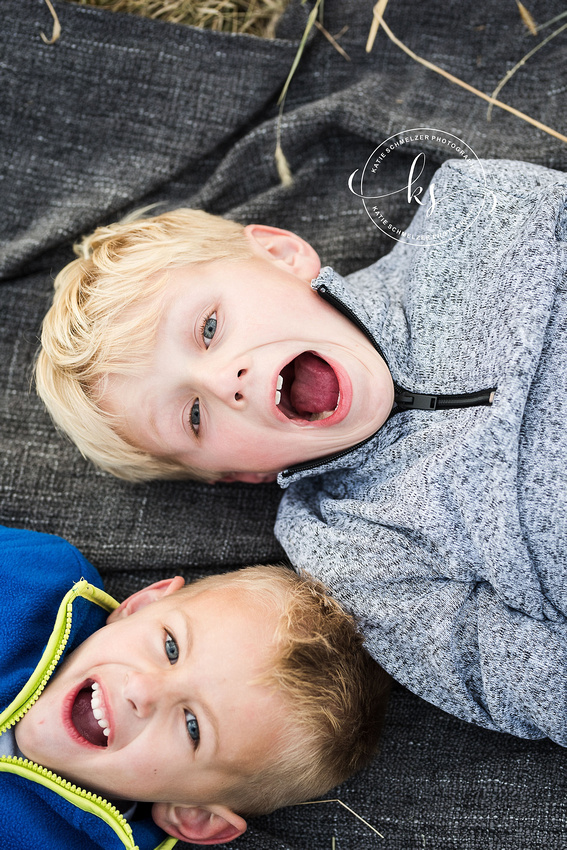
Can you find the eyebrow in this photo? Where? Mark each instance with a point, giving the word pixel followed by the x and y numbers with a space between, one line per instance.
pixel 173 326
pixel 155 430
pixel 149 410
pixel 189 644
pixel 152 423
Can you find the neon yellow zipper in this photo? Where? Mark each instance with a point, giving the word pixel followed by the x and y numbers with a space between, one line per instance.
pixel 30 693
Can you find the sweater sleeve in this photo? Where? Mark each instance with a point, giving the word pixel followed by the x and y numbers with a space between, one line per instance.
pixel 462 648
pixel 452 641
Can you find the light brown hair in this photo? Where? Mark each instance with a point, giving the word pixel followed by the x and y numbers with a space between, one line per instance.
pixel 335 692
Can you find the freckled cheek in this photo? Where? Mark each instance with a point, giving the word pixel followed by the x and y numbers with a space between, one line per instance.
pixel 150 762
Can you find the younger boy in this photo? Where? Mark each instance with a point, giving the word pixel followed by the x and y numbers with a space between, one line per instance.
pixel 234 696
pixel 415 410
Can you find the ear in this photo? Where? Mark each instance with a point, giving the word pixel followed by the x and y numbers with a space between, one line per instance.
pixel 249 477
pixel 143 597
pixel 285 249
pixel 199 824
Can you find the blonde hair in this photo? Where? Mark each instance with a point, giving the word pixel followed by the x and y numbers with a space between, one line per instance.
pixel 336 694
pixel 90 332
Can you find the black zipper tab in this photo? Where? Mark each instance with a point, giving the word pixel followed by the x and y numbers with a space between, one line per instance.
pixel 406 400
pixel 415 401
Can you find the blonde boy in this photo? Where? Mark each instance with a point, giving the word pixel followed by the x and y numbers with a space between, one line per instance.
pixel 132 367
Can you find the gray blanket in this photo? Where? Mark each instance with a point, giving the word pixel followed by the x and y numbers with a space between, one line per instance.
pixel 123 112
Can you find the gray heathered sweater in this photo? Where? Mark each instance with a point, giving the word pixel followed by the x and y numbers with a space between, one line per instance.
pixel 446 533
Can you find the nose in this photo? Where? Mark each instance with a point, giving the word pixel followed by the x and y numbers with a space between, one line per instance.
pixel 142 691
pixel 225 379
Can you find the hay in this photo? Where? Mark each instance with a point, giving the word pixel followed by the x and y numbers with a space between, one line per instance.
pixel 348 808
pixel 255 17
pixel 377 15
pixel 527 18
pixel 491 100
pixel 56 26
pixel 529 55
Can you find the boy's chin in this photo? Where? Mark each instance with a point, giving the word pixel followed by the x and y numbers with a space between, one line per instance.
pixel 248 477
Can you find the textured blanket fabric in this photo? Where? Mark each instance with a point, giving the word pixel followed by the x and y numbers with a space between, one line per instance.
pixel 123 112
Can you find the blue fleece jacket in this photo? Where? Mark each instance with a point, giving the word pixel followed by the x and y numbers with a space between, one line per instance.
pixel 37 571
pixel 446 532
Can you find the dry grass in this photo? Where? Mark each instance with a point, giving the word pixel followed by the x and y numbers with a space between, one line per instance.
pixel 491 100
pixel 255 17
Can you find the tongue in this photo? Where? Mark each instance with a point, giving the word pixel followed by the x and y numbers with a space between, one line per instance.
pixel 315 388
pixel 84 720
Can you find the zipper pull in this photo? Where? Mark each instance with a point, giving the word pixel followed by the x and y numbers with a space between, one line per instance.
pixel 415 401
pixel 406 400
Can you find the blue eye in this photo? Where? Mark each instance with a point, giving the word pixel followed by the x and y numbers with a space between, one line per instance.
pixel 192 727
pixel 209 328
pixel 195 416
pixel 171 648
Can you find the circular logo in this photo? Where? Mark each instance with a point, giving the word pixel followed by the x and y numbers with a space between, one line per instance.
pixel 389 203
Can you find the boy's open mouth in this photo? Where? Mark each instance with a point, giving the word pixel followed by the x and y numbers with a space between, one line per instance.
pixel 307 388
pixel 88 715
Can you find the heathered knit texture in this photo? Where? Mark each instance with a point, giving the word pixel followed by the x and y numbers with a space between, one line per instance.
pixel 446 534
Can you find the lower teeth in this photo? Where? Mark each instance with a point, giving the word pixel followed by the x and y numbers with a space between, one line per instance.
pixel 324 414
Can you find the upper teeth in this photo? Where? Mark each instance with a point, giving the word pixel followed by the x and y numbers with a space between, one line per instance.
pixel 98 709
